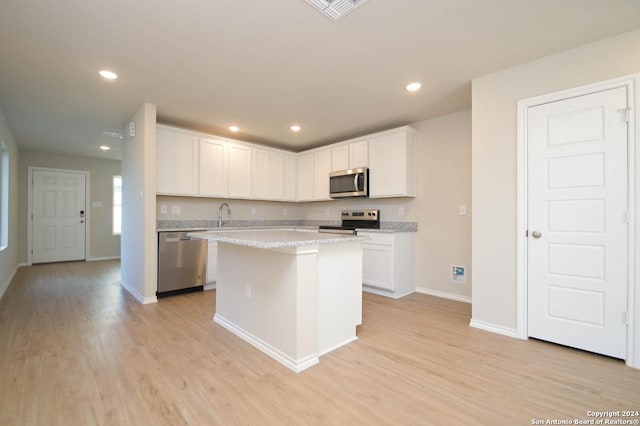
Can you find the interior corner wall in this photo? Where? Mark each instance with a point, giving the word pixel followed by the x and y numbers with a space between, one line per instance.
pixel 139 240
pixel 102 242
pixel 9 256
pixel 494 158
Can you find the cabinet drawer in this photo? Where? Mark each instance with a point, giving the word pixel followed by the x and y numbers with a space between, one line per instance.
pixel 377 238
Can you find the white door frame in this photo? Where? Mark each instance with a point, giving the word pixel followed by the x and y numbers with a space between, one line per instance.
pixel 632 84
pixel 87 191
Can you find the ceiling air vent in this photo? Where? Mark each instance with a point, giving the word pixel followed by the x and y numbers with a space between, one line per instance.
pixel 336 9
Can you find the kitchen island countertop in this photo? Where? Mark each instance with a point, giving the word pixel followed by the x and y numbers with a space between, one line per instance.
pixel 274 239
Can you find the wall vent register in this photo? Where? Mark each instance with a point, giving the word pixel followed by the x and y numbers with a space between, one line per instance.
pixel 336 9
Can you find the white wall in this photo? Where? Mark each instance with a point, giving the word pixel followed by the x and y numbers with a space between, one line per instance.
pixel 139 238
pixel 9 256
pixel 494 159
pixel 102 243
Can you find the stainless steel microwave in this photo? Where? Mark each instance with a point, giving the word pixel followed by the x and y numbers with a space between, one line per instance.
pixel 349 183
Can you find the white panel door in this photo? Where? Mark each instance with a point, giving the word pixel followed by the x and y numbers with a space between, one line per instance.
pixel 577 222
pixel 59 212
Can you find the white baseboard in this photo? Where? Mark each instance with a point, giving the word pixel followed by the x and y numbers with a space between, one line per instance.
pixel 5 285
pixel 94 259
pixel 386 293
pixel 498 329
pixel 20 265
pixel 209 286
pixel 296 365
pixel 443 294
pixel 140 298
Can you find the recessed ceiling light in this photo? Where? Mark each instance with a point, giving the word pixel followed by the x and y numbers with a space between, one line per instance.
pixel 109 75
pixel 234 128
pixel 105 147
pixel 295 128
pixel 412 87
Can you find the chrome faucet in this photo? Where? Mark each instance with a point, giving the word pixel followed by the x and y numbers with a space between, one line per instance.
pixel 220 213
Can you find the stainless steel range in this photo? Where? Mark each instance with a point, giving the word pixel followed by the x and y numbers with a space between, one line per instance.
pixel 352 220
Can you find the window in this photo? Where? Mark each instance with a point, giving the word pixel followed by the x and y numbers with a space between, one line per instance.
pixel 4 196
pixel 117 205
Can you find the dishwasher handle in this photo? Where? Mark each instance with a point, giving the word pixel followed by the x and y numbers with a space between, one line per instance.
pixel 177 239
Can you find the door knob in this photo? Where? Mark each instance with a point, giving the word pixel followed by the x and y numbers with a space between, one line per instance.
pixel 536 234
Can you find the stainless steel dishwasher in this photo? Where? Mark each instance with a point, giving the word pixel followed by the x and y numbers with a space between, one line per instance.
pixel 182 263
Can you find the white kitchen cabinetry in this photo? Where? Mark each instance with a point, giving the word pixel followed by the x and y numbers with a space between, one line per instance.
pixel 240 171
pixel 388 263
pixel 212 261
pixel 340 158
pixel 290 177
pixel 350 156
pixel 321 170
pixel 268 175
pixel 392 164
pixel 176 162
pixel 305 177
pixel 358 155
pixel 213 167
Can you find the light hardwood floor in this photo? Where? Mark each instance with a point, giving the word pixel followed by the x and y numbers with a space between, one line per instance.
pixel 76 349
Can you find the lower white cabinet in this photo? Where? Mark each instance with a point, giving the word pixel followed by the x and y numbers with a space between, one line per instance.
pixel 388 263
pixel 212 262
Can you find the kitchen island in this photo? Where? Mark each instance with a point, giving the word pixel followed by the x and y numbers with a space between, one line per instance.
pixel 293 295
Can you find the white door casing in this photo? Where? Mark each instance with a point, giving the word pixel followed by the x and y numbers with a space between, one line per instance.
pixel 58 215
pixel 578 213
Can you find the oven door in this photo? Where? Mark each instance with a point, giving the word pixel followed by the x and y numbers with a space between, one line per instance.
pixel 349 183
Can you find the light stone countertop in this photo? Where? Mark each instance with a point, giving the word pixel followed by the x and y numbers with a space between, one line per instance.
pixel 233 225
pixel 273 239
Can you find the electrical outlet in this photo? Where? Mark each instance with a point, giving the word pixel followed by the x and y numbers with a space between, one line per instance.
pixel 401 211
pixel 163 209
pixel 247 290
pixel 327 212
pixel 284 212
pixel 253 211
pixel 462 209
pixel 458 274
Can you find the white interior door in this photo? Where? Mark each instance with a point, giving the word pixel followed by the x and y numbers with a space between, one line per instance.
pixel 577 222
pixel 59 216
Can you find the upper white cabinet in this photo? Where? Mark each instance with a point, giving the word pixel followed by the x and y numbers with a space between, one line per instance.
pixel 268 175
pixel 195 164
pixel 305 177
pixel 290 177
pixel 350 156
pixel 321 170
pixel 358 155
pixel 340 158
pixel 213 167
pixel 176 162
pixel 240 171
pixel 392 167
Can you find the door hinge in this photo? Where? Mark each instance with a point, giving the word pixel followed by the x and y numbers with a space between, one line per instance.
pixel 627 113
pixel 625 317
pixel 626 216
pixel 526 233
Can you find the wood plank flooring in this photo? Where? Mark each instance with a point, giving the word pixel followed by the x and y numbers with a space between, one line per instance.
pixel 76 349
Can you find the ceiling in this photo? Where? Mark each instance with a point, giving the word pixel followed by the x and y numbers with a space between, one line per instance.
pixel 265 65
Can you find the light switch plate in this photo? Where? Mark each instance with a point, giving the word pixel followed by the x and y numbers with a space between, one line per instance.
pixel 462 209
pixel 175 209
